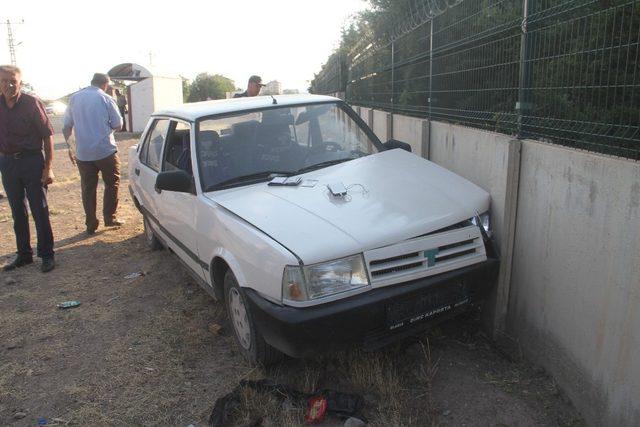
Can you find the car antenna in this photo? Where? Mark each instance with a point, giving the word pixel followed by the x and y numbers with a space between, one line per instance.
pixel 274 100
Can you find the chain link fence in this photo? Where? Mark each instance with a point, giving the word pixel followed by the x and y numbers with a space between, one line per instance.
pixel 563 71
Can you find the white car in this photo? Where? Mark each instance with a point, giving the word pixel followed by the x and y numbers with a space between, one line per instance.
pixel 56 108
pixel 314 233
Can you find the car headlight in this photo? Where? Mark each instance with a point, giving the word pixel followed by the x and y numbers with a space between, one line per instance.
pixel 315 281
pixel 483 220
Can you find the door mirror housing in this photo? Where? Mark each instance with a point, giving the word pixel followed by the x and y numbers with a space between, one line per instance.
pixel 394 143
pixel 178 181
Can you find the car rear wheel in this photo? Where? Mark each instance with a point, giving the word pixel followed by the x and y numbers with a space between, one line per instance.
pixel 251 343
pixel 150 236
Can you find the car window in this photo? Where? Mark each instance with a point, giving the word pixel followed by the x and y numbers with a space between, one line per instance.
pixel 177 152
pixel 287 140
pixel 154 144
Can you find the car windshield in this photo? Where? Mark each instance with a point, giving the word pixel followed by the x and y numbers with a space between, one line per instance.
pixel 255 146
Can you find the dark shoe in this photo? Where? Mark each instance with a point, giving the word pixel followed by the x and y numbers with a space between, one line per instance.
pixel 48 264
pixel 114 223
pixel 92 229
pixel 17 263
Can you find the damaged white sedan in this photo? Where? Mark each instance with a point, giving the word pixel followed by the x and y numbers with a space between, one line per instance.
pixel 313 233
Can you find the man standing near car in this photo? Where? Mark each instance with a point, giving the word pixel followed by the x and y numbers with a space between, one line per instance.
pixel 25 131
pixel 93 116
pixel 253 88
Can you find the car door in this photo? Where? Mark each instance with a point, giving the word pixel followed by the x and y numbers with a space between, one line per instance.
pixel 177 213
pixel 149 166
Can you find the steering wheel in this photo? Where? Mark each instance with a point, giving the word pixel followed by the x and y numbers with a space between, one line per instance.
pixel 332 146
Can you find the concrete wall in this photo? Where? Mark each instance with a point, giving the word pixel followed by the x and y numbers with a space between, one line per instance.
pixel 567 224
pixel 366 114
pixel 491 161
pixel 381 125
pixel 413 131
pixel 575 292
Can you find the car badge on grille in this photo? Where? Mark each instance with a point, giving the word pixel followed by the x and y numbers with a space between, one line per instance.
pixel 430 255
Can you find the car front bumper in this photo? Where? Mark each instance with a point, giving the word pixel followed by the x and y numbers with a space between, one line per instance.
pixel 375 318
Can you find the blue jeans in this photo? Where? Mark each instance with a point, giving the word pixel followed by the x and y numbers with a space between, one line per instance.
pixel 21 179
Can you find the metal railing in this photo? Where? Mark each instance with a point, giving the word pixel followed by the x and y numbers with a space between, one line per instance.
pixel 563 71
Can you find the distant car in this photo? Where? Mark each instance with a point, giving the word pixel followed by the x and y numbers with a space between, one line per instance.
pixel 313 233
pixel 56 108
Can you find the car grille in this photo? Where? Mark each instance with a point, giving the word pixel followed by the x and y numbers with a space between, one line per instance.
pixel 427 255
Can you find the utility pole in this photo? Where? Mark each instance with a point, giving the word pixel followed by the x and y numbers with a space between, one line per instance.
pixel 12 44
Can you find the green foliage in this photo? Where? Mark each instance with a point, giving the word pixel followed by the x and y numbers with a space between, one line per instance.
pixel 186 89
pixel 571 79
pixel 207 86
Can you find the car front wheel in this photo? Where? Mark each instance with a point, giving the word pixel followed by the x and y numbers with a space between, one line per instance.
pixel 251 343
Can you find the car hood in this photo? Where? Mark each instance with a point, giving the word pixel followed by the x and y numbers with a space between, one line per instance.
pixel 392 196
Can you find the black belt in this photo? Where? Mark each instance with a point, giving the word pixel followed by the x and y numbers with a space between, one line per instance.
pixel 20 154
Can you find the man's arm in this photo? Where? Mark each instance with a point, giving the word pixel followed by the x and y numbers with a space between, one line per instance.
pixel 67 129
pixel 43 127
pixel 115 119
pixel 47 173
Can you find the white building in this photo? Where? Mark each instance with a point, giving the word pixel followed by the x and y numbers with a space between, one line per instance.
pixel 274 87
pixel 147 94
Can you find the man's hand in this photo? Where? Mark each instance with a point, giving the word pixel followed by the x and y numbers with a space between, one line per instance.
pixel 72 156
pixel 47 176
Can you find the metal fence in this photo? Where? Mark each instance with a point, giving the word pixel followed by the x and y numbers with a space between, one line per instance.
pixel 331 78
pixel 564 71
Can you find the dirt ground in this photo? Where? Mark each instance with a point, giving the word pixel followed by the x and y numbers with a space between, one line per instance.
pixel 145 350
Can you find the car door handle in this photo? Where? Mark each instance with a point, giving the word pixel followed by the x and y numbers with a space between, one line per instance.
pixel 137 171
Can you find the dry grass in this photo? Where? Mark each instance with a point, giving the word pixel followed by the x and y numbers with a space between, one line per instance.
pixel 388 389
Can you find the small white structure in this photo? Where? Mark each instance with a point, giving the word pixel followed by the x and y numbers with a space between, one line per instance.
pixel 147 94
pixel 274 87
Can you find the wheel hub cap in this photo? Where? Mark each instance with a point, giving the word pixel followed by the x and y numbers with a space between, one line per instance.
pixel 239 318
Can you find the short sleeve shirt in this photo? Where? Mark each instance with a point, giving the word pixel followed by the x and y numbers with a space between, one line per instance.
pixel 24 126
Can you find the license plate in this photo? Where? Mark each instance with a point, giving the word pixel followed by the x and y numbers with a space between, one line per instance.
pixel 424 307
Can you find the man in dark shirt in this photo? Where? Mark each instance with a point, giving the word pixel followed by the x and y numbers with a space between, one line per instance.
pixel 253 88
pixel 24 131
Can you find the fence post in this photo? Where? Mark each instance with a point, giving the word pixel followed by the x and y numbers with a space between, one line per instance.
pixel 393 72
pixel 339 65
pixel 430 99
pixel 524 104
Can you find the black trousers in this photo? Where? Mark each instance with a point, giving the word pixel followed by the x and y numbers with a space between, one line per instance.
pixel 21 178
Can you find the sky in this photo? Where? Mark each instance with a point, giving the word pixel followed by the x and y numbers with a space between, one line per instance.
pixel 62 43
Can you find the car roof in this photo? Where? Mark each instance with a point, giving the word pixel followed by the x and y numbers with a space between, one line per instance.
pixel 196 110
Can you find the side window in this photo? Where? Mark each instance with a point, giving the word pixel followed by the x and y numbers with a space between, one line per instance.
pixel 152 151
pixel 177 152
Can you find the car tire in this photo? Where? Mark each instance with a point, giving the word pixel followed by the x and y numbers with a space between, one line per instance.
pixel 150 236
pixel 249 340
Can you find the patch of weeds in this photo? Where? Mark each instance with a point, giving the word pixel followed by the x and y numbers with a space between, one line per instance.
pixel 53 211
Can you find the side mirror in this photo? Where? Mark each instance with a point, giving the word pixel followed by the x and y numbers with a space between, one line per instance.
pixel 394 143
pixel 178 181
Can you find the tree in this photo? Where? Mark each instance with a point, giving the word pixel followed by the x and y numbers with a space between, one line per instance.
pixel 207 86
pixel 186 88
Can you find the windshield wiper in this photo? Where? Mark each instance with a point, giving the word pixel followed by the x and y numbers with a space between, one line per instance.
pixel 323 165
pixel 248 179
